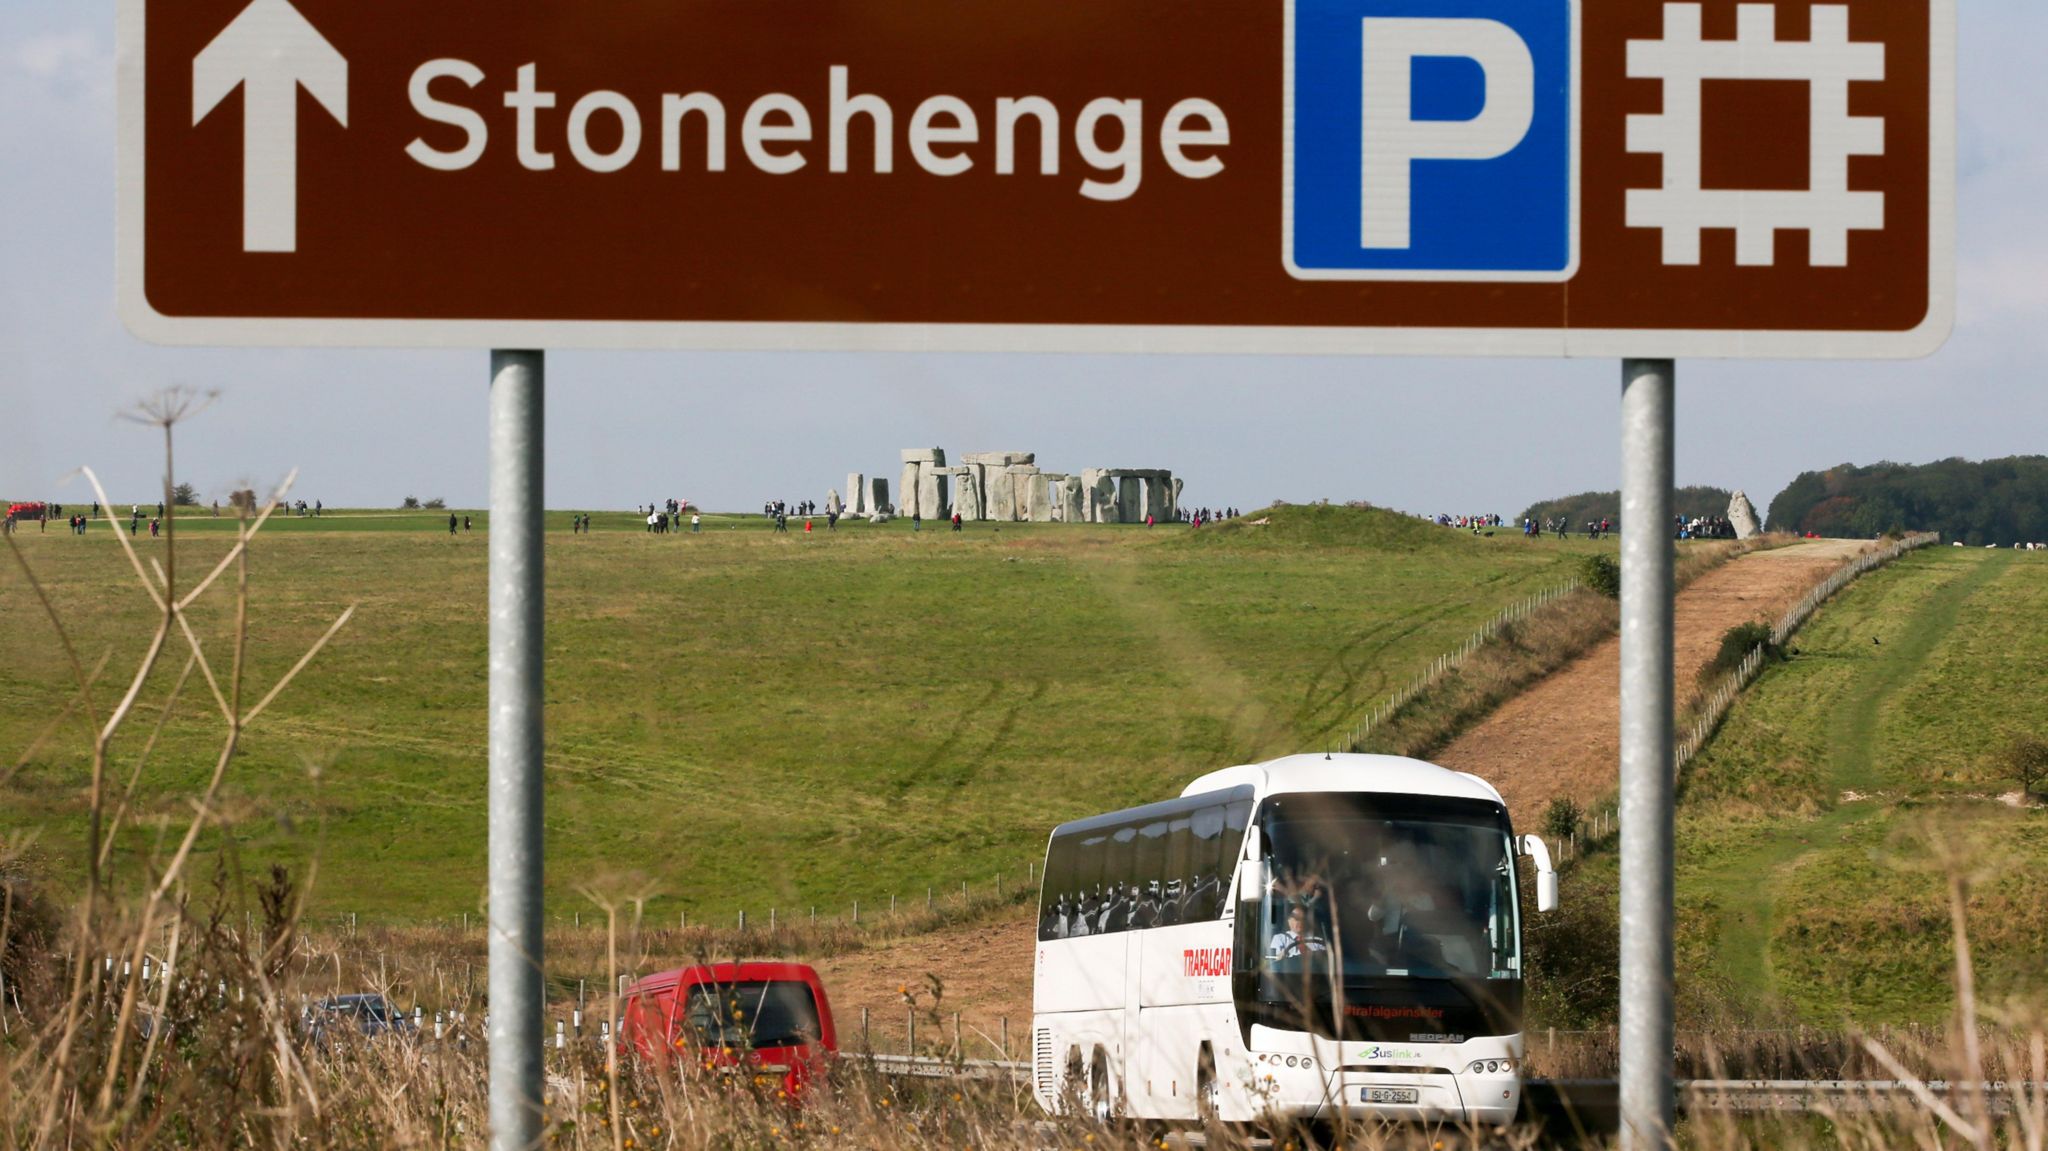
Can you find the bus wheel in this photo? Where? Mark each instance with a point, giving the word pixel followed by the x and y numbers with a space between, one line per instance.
pixel 1074 1085
pixel 1100 1107
pixel 1205 1085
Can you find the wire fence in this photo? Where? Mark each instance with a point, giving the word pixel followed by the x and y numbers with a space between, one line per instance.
pixel 1449 662
pixel 1716 704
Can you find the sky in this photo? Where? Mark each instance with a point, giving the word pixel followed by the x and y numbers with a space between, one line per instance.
pixel 729 430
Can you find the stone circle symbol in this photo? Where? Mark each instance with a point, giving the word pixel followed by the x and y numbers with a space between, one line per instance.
pixel 1826 209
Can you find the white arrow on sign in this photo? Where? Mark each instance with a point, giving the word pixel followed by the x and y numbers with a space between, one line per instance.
pixel 268 51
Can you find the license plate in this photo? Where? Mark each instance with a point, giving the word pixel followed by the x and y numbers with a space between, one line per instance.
pixel 1388 1094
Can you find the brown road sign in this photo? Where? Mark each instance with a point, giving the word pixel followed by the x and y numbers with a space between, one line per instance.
pixel 1532 177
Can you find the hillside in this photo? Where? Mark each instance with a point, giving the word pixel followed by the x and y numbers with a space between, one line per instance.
pixel 2001 502
pixel 742 718
pixel 1814 832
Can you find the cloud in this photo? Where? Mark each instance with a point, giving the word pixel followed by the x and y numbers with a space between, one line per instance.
pixel 71 63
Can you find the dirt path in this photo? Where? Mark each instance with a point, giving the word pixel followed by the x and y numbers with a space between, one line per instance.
pixel 1563 737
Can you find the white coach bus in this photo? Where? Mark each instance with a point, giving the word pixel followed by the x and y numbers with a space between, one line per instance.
pixel 1314 935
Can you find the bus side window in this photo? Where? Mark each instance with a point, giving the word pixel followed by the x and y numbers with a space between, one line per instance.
pixel 1151 873
pixel 1089 884
pixel 1119 877
pixel 1058 887
pixel 1208 867
pixel 1177 891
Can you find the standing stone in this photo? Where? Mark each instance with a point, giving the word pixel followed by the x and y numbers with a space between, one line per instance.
pixel 1026 486
pixel 832 503
pixel 856 494
pixel 932 499
pixel 906 492
pixel 972 478
pixel 1176 498
pixel 1069 498
pixel 878 496
pixel 1098 496
pixel 1001 495
pixel 966 494
pixel 1742 517
pixel 1130 498
pixel 1158 504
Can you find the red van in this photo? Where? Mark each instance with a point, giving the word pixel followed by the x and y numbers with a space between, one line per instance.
pixel 770 1018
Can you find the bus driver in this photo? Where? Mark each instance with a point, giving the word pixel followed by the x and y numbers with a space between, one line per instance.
pixel 1298 939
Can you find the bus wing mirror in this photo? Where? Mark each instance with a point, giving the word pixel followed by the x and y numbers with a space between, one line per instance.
pixel 1251 876
pixel 1546 875
pixel 1251 881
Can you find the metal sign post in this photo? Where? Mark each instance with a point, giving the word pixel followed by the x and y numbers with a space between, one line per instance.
pixel 1646 757
pixel 517 601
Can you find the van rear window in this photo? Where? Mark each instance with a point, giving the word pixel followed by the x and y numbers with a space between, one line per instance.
pixel 766 1013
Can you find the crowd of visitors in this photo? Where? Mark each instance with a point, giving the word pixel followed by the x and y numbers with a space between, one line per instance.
pixel 1202 517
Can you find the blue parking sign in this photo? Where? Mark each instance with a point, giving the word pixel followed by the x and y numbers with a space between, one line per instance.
pixel 1432 139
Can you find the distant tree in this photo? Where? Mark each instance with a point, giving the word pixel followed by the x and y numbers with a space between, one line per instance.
pixel 1696 500
pixel 1561 819
pixel 185 496
pixel 2026 758
pixel 1736 644
pixel 411 504
pixel 2002 501
pixel 437 503
pixel 1600 573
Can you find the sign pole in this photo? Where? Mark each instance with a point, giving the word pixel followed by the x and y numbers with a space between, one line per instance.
pixel 516 604
pixel 1646 753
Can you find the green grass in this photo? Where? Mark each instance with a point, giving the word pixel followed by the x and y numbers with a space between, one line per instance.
pixel 741 718
pixel 1809 830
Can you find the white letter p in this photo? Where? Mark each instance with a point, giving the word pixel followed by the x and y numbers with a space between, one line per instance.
pixel 1392 138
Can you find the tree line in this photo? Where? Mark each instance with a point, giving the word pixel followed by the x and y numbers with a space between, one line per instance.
pixel 2001 501
pixel 1694 500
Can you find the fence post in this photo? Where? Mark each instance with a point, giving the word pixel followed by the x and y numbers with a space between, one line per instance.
pixel 959 1050
pixel 864 1044
pixel 856 911
pixel 910 1031
pixel 1006 1036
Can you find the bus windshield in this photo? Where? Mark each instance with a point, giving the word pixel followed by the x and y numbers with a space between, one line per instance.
pixel 1389 885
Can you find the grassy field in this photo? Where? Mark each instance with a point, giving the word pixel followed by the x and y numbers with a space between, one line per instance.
pixel 1813 832
pixel 739 718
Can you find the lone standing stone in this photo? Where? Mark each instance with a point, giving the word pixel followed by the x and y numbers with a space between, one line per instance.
pixel 856 494
pixel 1742 517
pixel 832 503
pixel 878 496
